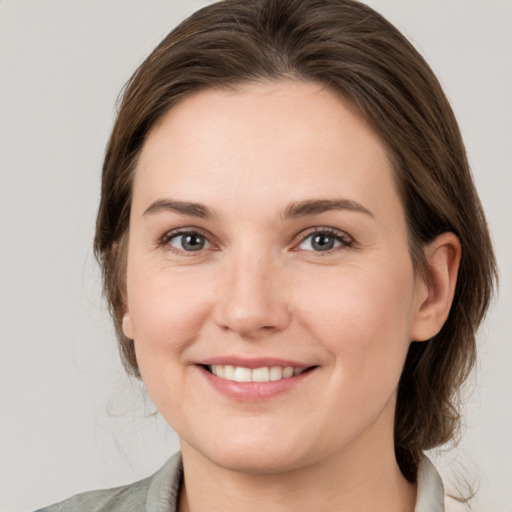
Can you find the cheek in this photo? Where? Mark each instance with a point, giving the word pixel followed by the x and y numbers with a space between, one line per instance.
pixel 362 317
pixel 167 310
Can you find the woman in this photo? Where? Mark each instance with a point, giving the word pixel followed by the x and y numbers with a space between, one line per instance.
pixel 295 258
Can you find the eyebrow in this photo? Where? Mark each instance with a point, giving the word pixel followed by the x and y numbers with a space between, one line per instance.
pixel 315 207
pixel 294 210
pixel 184 207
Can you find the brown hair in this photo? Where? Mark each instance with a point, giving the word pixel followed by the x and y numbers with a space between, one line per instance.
pixel 353 50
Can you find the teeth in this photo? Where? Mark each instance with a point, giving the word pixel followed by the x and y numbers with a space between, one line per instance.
pixel 260 375
pixel 276 373
pixel 264 374
pixel 287 372
pixel 229 372
pixel 242 374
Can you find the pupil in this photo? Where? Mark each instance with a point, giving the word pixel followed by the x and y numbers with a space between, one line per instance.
pixel 323 242
pixel 192 242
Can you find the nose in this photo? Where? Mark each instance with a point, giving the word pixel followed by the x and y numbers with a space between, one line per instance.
pixel 252 299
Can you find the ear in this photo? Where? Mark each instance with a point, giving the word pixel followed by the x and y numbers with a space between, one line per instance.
pixel 119 249
pixel 127 324
pixel 434 295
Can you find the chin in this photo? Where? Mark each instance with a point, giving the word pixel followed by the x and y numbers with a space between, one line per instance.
pixel 256 461
pixel 253 454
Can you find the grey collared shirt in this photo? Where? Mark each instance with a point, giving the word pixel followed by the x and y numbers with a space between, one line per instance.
pixel 160 493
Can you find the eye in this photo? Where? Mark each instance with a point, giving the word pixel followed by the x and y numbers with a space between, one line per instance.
pixel 324 240
pixel 188 241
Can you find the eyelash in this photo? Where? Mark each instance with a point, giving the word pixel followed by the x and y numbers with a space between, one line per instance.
pixel 165 240
pixel 339 236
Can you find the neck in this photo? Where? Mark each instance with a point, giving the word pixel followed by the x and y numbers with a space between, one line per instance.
pixel 339 482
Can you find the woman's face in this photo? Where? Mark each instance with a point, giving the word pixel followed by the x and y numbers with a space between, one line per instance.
pixel 267 239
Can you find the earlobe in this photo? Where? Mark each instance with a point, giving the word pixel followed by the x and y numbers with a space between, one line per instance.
pixel 434 297
pixel 127 326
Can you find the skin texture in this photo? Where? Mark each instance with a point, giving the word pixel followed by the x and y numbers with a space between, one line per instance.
pixel 258 289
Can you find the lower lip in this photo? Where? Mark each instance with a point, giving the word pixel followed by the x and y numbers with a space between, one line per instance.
pixel 253 391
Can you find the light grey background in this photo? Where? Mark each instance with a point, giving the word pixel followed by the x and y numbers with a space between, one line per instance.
pixel 70 419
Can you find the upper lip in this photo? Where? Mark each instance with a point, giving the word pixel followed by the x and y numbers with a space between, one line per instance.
pixel 257 362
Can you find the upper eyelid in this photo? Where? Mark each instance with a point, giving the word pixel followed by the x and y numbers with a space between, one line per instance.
pixel 322 229
pixel 319 229
pixel 183 231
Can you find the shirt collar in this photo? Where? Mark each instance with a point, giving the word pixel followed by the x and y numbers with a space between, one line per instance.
pixel 430 493
pixel 164 489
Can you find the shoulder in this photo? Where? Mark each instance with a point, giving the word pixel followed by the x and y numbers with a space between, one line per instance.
pixel 431 495
pixel 125 498
pixel 158 493
pixel 453 505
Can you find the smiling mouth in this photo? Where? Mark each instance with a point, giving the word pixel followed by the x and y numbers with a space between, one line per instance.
pixel 263 374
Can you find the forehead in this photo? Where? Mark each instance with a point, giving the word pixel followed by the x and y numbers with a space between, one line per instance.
pixel 286 139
